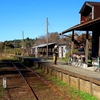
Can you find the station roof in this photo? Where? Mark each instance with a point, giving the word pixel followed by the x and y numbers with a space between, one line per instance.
pixel 89 26
pixel 44 45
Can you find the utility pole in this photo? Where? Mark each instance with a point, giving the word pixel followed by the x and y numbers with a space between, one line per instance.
pixel 47 35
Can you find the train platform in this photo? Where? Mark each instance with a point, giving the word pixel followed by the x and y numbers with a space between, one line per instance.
pixel 87 71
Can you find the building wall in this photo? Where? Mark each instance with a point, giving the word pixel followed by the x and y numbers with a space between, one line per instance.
pixel 62 51
pixel 96 11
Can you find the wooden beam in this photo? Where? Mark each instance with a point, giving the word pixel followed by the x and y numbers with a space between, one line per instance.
pixel 86 50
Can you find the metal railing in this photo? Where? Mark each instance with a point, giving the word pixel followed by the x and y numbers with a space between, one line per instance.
pixel 96 63
pixel 77 61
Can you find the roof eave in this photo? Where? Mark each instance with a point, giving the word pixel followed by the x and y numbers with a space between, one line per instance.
pixel 81 26
pixel 86 3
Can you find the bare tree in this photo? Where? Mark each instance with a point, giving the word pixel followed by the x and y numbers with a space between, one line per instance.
pixel 52 37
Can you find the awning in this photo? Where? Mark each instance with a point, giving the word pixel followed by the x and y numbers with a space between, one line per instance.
pixel 87 26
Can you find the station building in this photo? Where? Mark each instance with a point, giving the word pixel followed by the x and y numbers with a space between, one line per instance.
pixel 89 22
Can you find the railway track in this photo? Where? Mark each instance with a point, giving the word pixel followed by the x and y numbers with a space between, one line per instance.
pixel 24 84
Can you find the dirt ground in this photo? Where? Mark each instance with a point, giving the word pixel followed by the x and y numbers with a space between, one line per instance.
pixel 12 87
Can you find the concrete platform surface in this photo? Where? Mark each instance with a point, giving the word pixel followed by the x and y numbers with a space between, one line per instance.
pixel 89 71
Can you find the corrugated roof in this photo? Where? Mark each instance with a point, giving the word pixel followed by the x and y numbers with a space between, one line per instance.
pixel 44 45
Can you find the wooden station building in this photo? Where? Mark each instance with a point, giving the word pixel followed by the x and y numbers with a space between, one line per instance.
pixel 41 50
pixel 89 21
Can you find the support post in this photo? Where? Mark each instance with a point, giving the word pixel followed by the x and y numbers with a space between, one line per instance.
pixel 4 82
pixel 47 35
pixel 72 45
pixel 99 47
pixel 86 50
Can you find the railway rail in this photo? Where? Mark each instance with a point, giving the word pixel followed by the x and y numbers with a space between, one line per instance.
pixel 24 83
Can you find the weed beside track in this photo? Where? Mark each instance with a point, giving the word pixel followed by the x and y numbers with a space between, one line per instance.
pixel 68 91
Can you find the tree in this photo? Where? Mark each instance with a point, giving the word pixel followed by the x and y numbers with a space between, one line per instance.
pixel 29 43
pixel 1 46
pixel 82 38
pixel 52 37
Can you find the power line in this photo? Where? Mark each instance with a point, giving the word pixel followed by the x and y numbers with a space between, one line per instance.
pixel 50 26
pixel 38 28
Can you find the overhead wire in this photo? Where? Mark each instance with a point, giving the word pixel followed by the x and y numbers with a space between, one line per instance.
pixel 38 28
pixel 50 26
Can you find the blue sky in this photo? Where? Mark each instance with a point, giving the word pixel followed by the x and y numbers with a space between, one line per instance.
pixel 30 16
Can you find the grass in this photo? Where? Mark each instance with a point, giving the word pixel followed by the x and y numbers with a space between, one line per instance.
pixel 64 88
pixel 1 91
pixel 73 92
